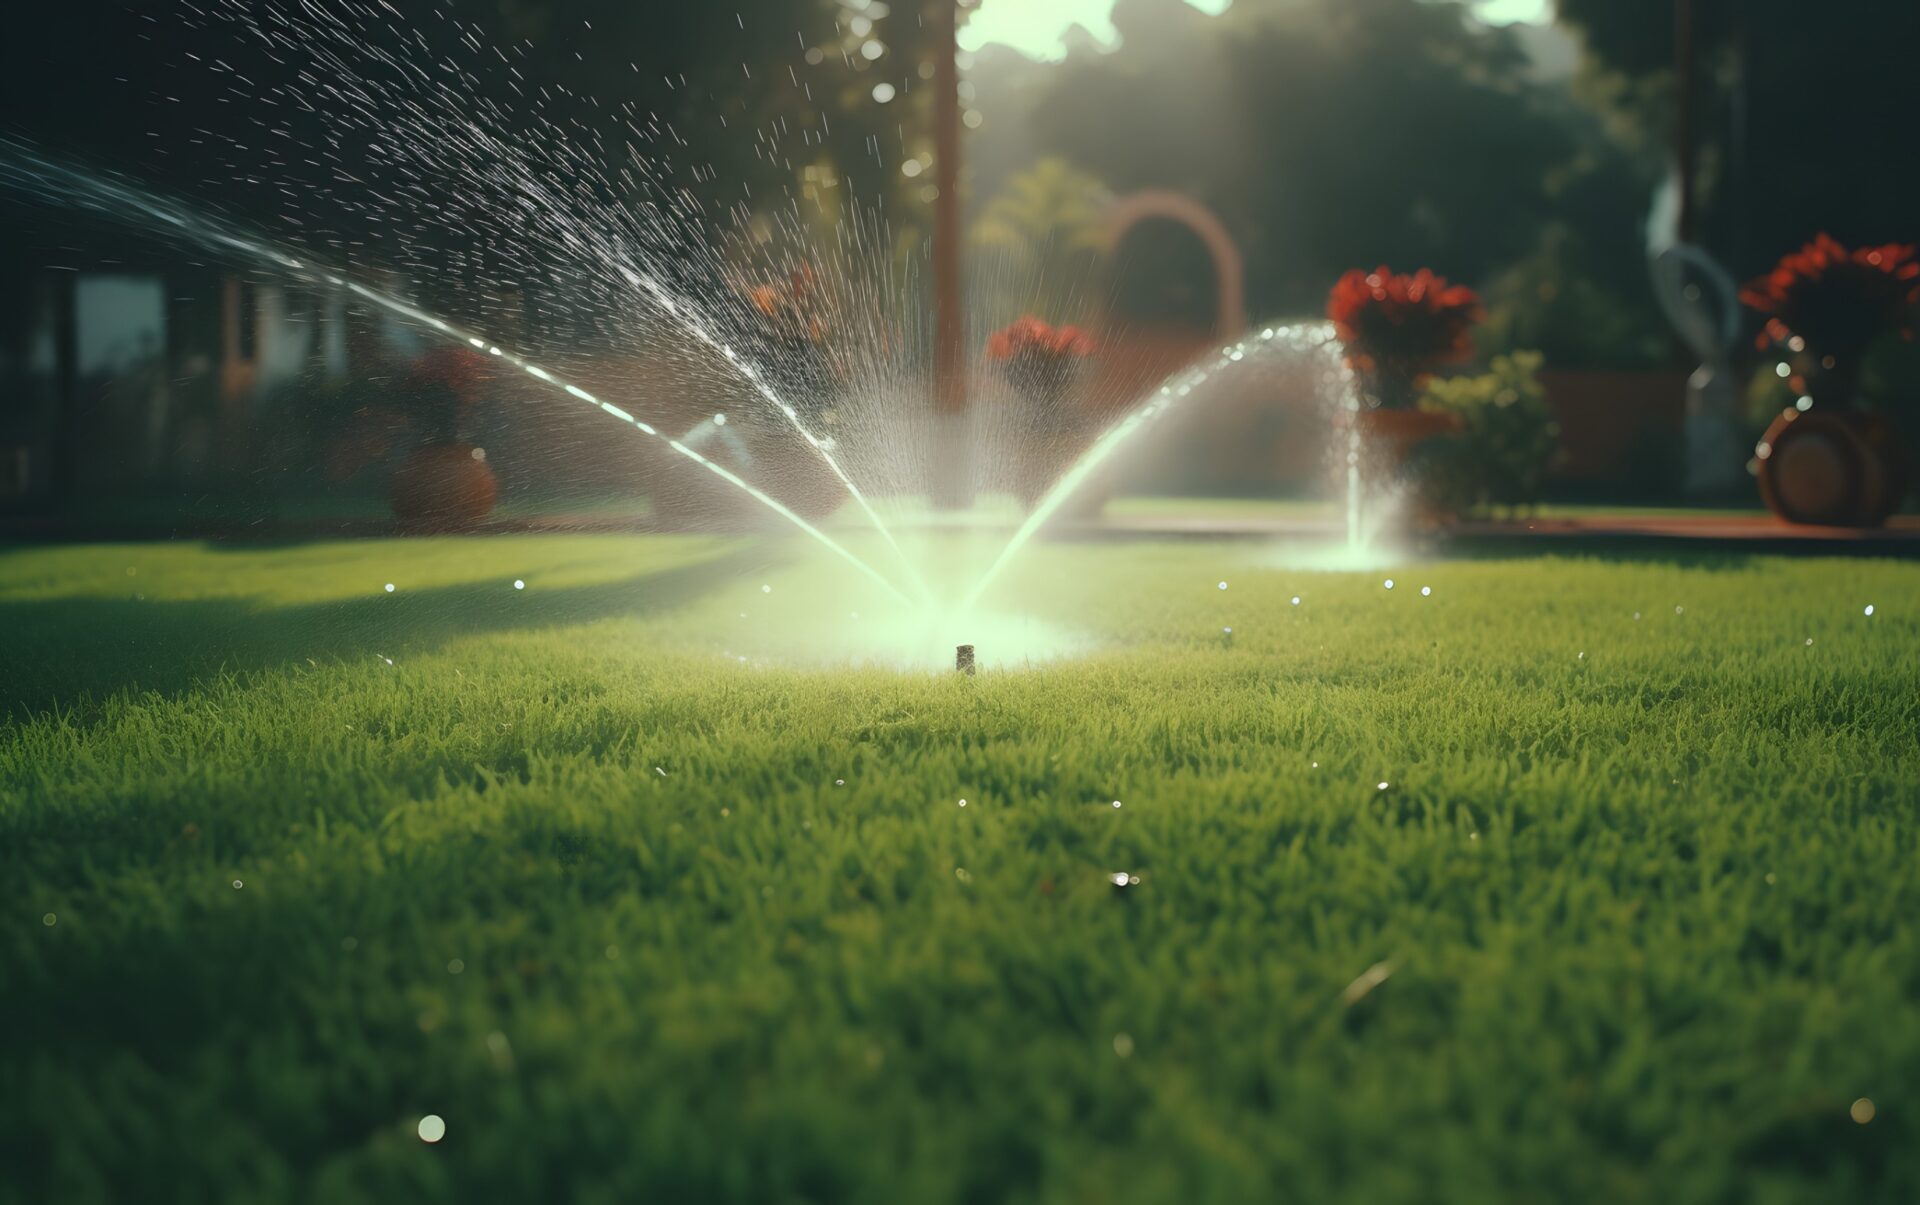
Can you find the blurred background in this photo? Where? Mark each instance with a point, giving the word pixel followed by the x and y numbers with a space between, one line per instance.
pixel 1156 175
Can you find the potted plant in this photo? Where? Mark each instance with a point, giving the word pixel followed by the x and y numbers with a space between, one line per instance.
pixel 791 323
pixel 1398 329
pixel 1823 460
pixel 1038 361
pixel 444 481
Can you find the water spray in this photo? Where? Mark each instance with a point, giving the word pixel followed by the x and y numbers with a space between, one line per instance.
pixel 698 328
pixel 1170 394
pixel 24 169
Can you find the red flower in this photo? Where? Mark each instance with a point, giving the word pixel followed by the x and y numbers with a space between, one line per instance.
pixel 1838 301
pixel 1038 358
pixel 794 310
pixel 1400 328
pixel 1029 336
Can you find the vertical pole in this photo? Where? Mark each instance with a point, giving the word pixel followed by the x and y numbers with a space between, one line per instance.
pixel 1684 70
pixel 952 487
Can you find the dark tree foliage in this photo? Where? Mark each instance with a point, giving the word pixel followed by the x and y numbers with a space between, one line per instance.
pixel 168 91
pixel 1328 133
pixel 1803 113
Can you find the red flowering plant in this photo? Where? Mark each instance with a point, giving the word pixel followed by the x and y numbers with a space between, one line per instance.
pixel 793 310
pixel 1398 328
pixel 791 332
pixel 1037 358
pixel 1831 304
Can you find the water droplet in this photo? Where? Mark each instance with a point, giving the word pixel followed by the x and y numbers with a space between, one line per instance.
pixel 1679 610
pixel 1120 878
pixel 1223 585
pixel 1385 785
pixel 519 584
pixel 432 1128
pixel 839 782
pixel 237 884
pixel 960 872
pixel 659 771
pixel 766 589
pixel 49 920
pixel 1296 600
pixel 1388 583
pixel 1861 1111
pixel 1809 642
pixel 1582 657
pixel 719 420
pixel 1116 803
pixel 963 803
pixel 1869 609
pixel 455 966
pixel 1123 1045
pixel 1426 591
pixel 389 587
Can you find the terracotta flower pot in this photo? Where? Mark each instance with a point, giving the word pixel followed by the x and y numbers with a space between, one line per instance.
pixel 1839 468
pixel 443 485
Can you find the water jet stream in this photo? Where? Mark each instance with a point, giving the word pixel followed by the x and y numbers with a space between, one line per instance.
pixel 1180 385
pixel 29 172
pixel 693 325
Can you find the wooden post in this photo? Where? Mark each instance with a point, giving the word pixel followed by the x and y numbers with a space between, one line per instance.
pixel 951 479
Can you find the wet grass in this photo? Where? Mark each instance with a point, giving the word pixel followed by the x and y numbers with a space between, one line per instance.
pixel 289 863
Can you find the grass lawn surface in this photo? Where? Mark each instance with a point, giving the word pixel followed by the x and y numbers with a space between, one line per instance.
pixel 1572 880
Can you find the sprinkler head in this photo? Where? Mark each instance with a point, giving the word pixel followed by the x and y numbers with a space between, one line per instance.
pixel 963 659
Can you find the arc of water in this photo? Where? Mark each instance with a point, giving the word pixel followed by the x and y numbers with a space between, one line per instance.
pixel 697 327
pixel 1169 395
pixel 89 189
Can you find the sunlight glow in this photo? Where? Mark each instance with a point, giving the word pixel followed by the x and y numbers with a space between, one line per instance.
pixel 1038 28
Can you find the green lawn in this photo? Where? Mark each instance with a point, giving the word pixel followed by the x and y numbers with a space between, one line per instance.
pixel 624 879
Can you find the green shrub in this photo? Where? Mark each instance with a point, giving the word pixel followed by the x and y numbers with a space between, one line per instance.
pixel 1506 442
